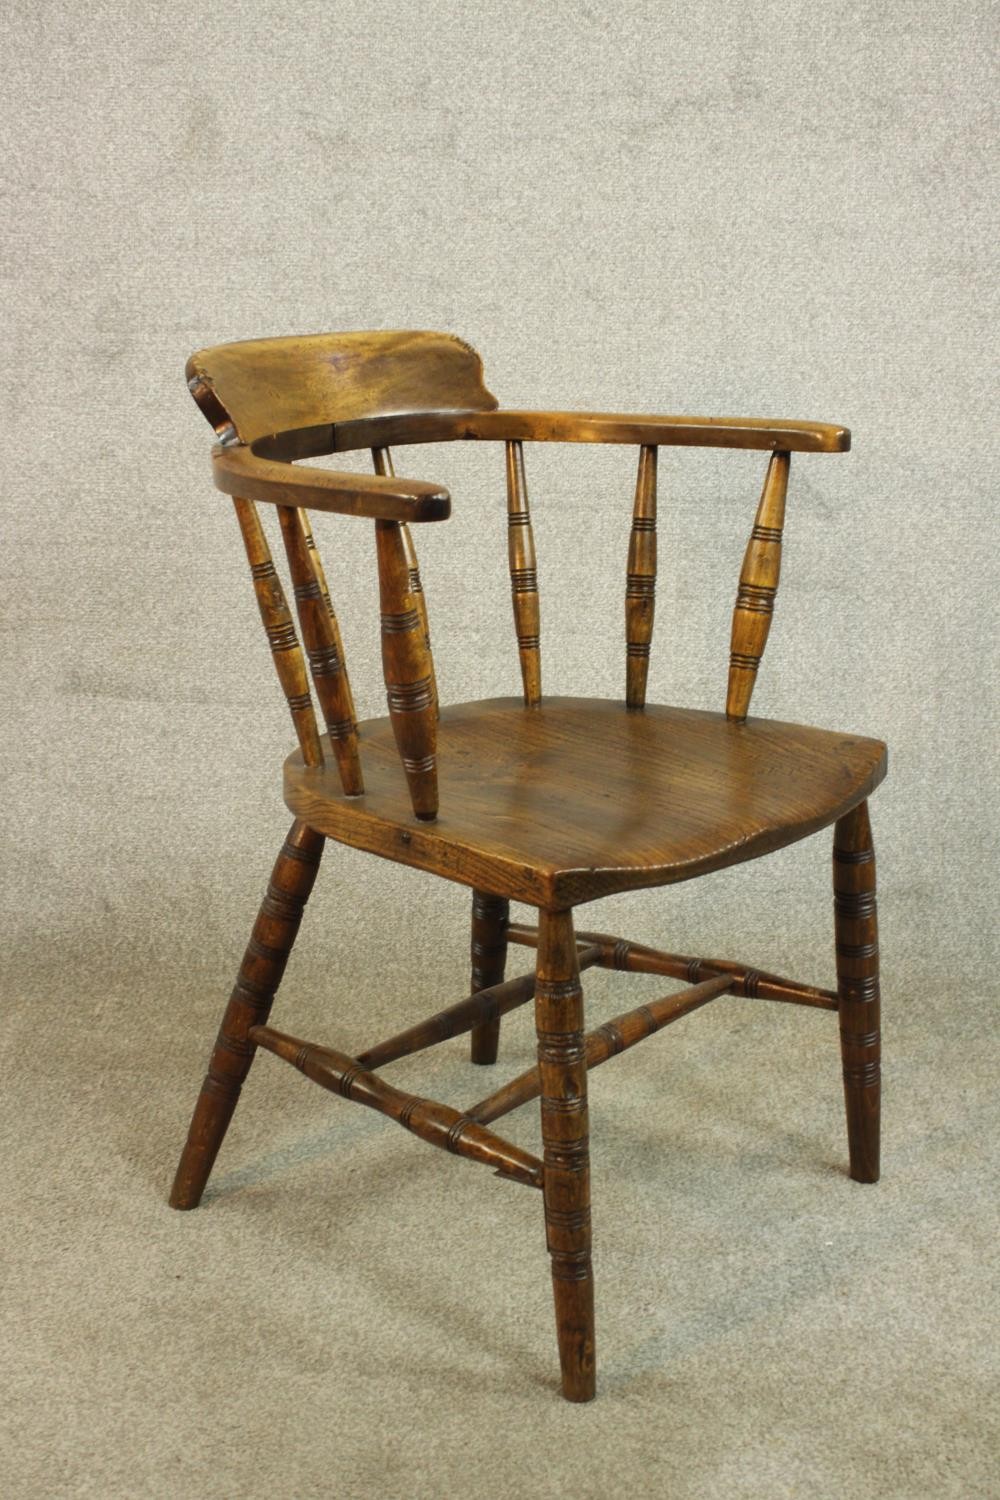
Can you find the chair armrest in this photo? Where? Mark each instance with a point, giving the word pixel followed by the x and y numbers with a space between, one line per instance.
pixel 238 471
pixel 582 427
pixel 696 432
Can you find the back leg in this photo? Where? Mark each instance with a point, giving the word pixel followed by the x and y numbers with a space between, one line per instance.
pixel 264 961
pixel 490 916
pixel 856 928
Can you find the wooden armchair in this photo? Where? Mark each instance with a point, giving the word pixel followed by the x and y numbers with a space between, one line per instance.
pixel 549 801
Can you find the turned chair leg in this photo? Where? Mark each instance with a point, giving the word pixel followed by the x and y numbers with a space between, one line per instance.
pixel 260 974
pixel 856 927
pixel 490 917
pixel 562 1061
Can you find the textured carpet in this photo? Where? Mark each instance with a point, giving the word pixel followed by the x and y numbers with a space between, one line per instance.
pixel 769 209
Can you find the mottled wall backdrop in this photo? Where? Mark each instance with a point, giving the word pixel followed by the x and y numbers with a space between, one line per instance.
pixel 766 209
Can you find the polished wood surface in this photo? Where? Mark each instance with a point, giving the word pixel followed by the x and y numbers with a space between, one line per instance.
pixel 856 929
pixel 640 581
pixel 238 471
pixel 258 387
pixel 757 589
pixel 478 1009
pixel 406 666
pixel 324 588
pixel 329 671
pixel 523 576
pixel 490 919
pixel 580 427
pixel 615 1036
pixel 279 628
pixel 260 974
pixel 577 799
pixel 562 1071
pixel 382 460
pixel 637 958
pixel 437 1124
pixel 547 800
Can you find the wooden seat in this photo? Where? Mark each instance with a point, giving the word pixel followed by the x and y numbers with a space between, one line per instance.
pixel 577 798
pixel 546 800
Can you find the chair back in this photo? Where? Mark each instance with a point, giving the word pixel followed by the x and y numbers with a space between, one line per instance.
pixel 289 398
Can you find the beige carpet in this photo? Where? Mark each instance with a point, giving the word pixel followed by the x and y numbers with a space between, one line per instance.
pixel 769 209
pixel 352 1314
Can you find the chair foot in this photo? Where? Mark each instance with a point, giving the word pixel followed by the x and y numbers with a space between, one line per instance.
pixel 249 1005
pixel 562 1060
pixel 856 929
pixel 490 918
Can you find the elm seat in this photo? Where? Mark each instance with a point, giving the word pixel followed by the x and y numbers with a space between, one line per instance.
pixel 547 800
pixel 577 798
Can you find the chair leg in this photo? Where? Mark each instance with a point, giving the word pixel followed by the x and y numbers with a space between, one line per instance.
pixel 490 916
pixel 260 974
pixel 562 1060
pixel 856 928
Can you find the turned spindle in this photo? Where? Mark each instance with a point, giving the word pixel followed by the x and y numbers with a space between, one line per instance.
pixel 286 652
pixel 382 459
pixel 485 1005
pixel 640 584
pixel 317 563
pixel 326 663
pixel 406 665
pixel 611 1039
pixel 263 965
pixel 523 575
pixel 438 1124
pixel 636 958
pixel 758 586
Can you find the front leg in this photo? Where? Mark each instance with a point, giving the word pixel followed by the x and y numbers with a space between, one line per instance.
pixel 562 1061
pixel 249 1005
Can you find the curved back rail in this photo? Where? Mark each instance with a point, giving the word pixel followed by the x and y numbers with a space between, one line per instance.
pixel 272 401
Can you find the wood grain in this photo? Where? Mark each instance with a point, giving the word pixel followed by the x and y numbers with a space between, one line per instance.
pixel 640 581
pixel 562 1069
pixel 758 586
pixel 286 653
pixel 490 916
pixel 237 471
pixel 324 587
pixel 577 799
pixel 584 427
pixel 266 386
pixel 329 672
pixel 482 1006
pixel 554 802
pixel 856 926
pixel 635 958
pixel 406 665
pixel 523 576
pixel 382 459
pixel 437 1124
pixel 615 1036
pixel 263 965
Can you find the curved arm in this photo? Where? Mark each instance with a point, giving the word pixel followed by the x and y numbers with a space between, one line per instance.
pixel 238 471
pixel 655 431
pixel 592 427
